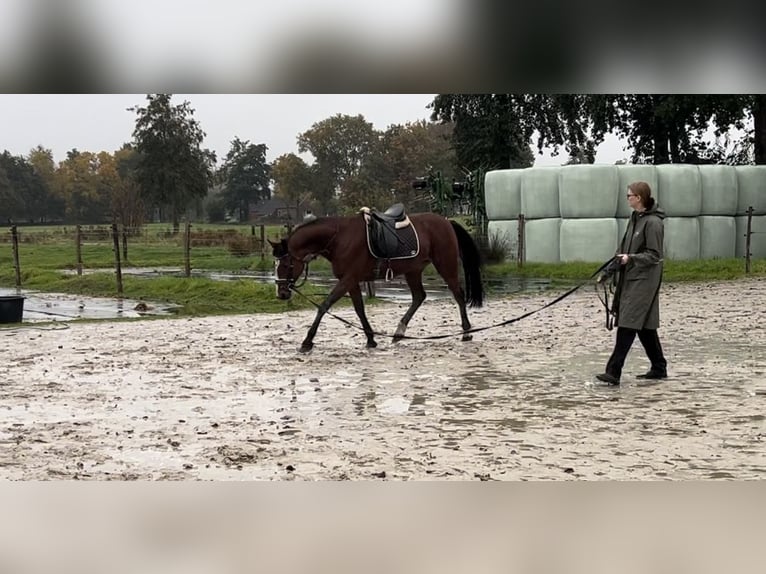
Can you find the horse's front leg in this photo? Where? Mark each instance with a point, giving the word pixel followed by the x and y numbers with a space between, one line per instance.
pixel 415 283
pixel 358 301
pixel 338 291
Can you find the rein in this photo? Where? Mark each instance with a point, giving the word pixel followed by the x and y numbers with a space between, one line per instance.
pixel 475 329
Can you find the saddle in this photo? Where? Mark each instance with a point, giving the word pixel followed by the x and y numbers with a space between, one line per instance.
pixel 390 234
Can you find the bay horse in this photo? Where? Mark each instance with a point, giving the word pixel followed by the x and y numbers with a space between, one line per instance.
pixel 344 242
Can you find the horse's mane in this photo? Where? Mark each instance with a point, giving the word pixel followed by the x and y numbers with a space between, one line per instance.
pixel 318 220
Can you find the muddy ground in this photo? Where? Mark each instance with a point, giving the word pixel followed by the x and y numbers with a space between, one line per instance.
pixel 231 398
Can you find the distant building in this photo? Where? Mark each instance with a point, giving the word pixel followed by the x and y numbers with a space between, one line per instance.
pixel 276 211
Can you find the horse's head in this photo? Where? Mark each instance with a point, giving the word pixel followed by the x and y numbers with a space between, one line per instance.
pixel 288 269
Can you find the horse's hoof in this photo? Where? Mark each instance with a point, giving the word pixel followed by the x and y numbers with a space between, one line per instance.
pixel 467 338
pixel 397 338
pixel 371 344
pixel 306 347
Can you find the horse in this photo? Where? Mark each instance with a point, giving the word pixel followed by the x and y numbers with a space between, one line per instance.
pixel 347 242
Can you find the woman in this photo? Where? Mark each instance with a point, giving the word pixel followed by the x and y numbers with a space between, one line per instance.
pixel 636 298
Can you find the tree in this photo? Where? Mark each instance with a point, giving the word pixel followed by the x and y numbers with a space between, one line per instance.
pixel 340 145
pixel 22 191
pixel 489 129
pixel 173 171
pixel 663 128
pixel 417 150
pixel 8 200
pixel 127 204
pixel 371 185
pixel 79 183
pixel 41 160
pixel 293 179
pixel 245 177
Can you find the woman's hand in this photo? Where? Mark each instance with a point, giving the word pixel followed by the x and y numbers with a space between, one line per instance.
pixel 623 258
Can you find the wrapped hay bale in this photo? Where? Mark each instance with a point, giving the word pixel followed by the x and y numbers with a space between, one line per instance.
pixel 680 190
pixel 757 239
pixel 751 188
pixel 502 193
pixel 717 237
pixel 541 240
pixel 540 192
pixel 719 190
pixel 682 238
pixel 587 239
pixel 588 191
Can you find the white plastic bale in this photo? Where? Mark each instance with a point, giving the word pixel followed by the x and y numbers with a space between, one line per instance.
pixel 541 240
pixel 588 191
pixel 757 239
pixel 540 192
pixel 679 190
pixel 719 190
pixel 628 174
pixel 718 235
pixel 587 239
pixel 622 227
pixel 751 192
pixel 504 233
pixel 502 194
pixel 682 238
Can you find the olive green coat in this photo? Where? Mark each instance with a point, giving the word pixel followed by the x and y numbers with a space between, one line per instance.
pixel 636 298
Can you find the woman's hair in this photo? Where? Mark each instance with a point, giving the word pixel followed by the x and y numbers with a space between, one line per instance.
pixel 643 191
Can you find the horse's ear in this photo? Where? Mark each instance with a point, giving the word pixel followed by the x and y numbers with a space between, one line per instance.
pixel 279 248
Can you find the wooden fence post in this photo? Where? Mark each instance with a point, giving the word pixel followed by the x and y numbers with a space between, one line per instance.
pixel 124 244
pixel 78 247
pixel 187 250
pixel 520 243
pixel 117 264
pixel 747 238
pixel 263 240
pixel 15 243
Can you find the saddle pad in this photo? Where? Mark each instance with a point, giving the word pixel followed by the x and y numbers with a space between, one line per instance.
pixel 399 244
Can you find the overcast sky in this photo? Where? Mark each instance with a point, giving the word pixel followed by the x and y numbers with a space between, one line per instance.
pixel 101 122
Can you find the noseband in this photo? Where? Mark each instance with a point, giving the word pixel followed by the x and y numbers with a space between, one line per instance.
pixel 289 281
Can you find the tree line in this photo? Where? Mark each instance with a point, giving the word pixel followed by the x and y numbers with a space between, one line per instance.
pixel 165 173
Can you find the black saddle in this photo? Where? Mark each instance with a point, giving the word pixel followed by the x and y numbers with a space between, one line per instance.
pixel 393 214
pixel 390 235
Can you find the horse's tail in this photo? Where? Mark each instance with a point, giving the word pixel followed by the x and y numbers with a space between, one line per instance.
pixel 469 254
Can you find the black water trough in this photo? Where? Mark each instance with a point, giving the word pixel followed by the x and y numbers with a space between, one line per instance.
pixel 11 308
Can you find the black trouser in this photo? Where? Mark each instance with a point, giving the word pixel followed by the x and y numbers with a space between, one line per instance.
pixel 622 344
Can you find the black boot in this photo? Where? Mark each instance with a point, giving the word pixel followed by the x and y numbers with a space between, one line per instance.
pixel 607 378
pixel 622 343
pixel 652 374
pixel 651 344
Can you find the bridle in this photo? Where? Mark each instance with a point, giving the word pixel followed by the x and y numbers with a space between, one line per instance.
pixel 289 281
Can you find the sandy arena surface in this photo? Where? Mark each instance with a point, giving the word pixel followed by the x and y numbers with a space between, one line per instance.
pixel 230 398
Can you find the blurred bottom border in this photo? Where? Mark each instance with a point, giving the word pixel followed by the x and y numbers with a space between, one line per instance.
pixel 419 527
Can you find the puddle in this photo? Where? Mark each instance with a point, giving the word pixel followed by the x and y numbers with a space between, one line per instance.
pixel 40 306
pixel 64 307
pixel 395 290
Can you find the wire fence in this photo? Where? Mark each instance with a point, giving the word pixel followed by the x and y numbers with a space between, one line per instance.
pixel 81 247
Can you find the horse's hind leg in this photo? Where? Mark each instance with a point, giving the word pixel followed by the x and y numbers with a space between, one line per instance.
pixel 356 299
pixel 457 293
pixel 415 283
